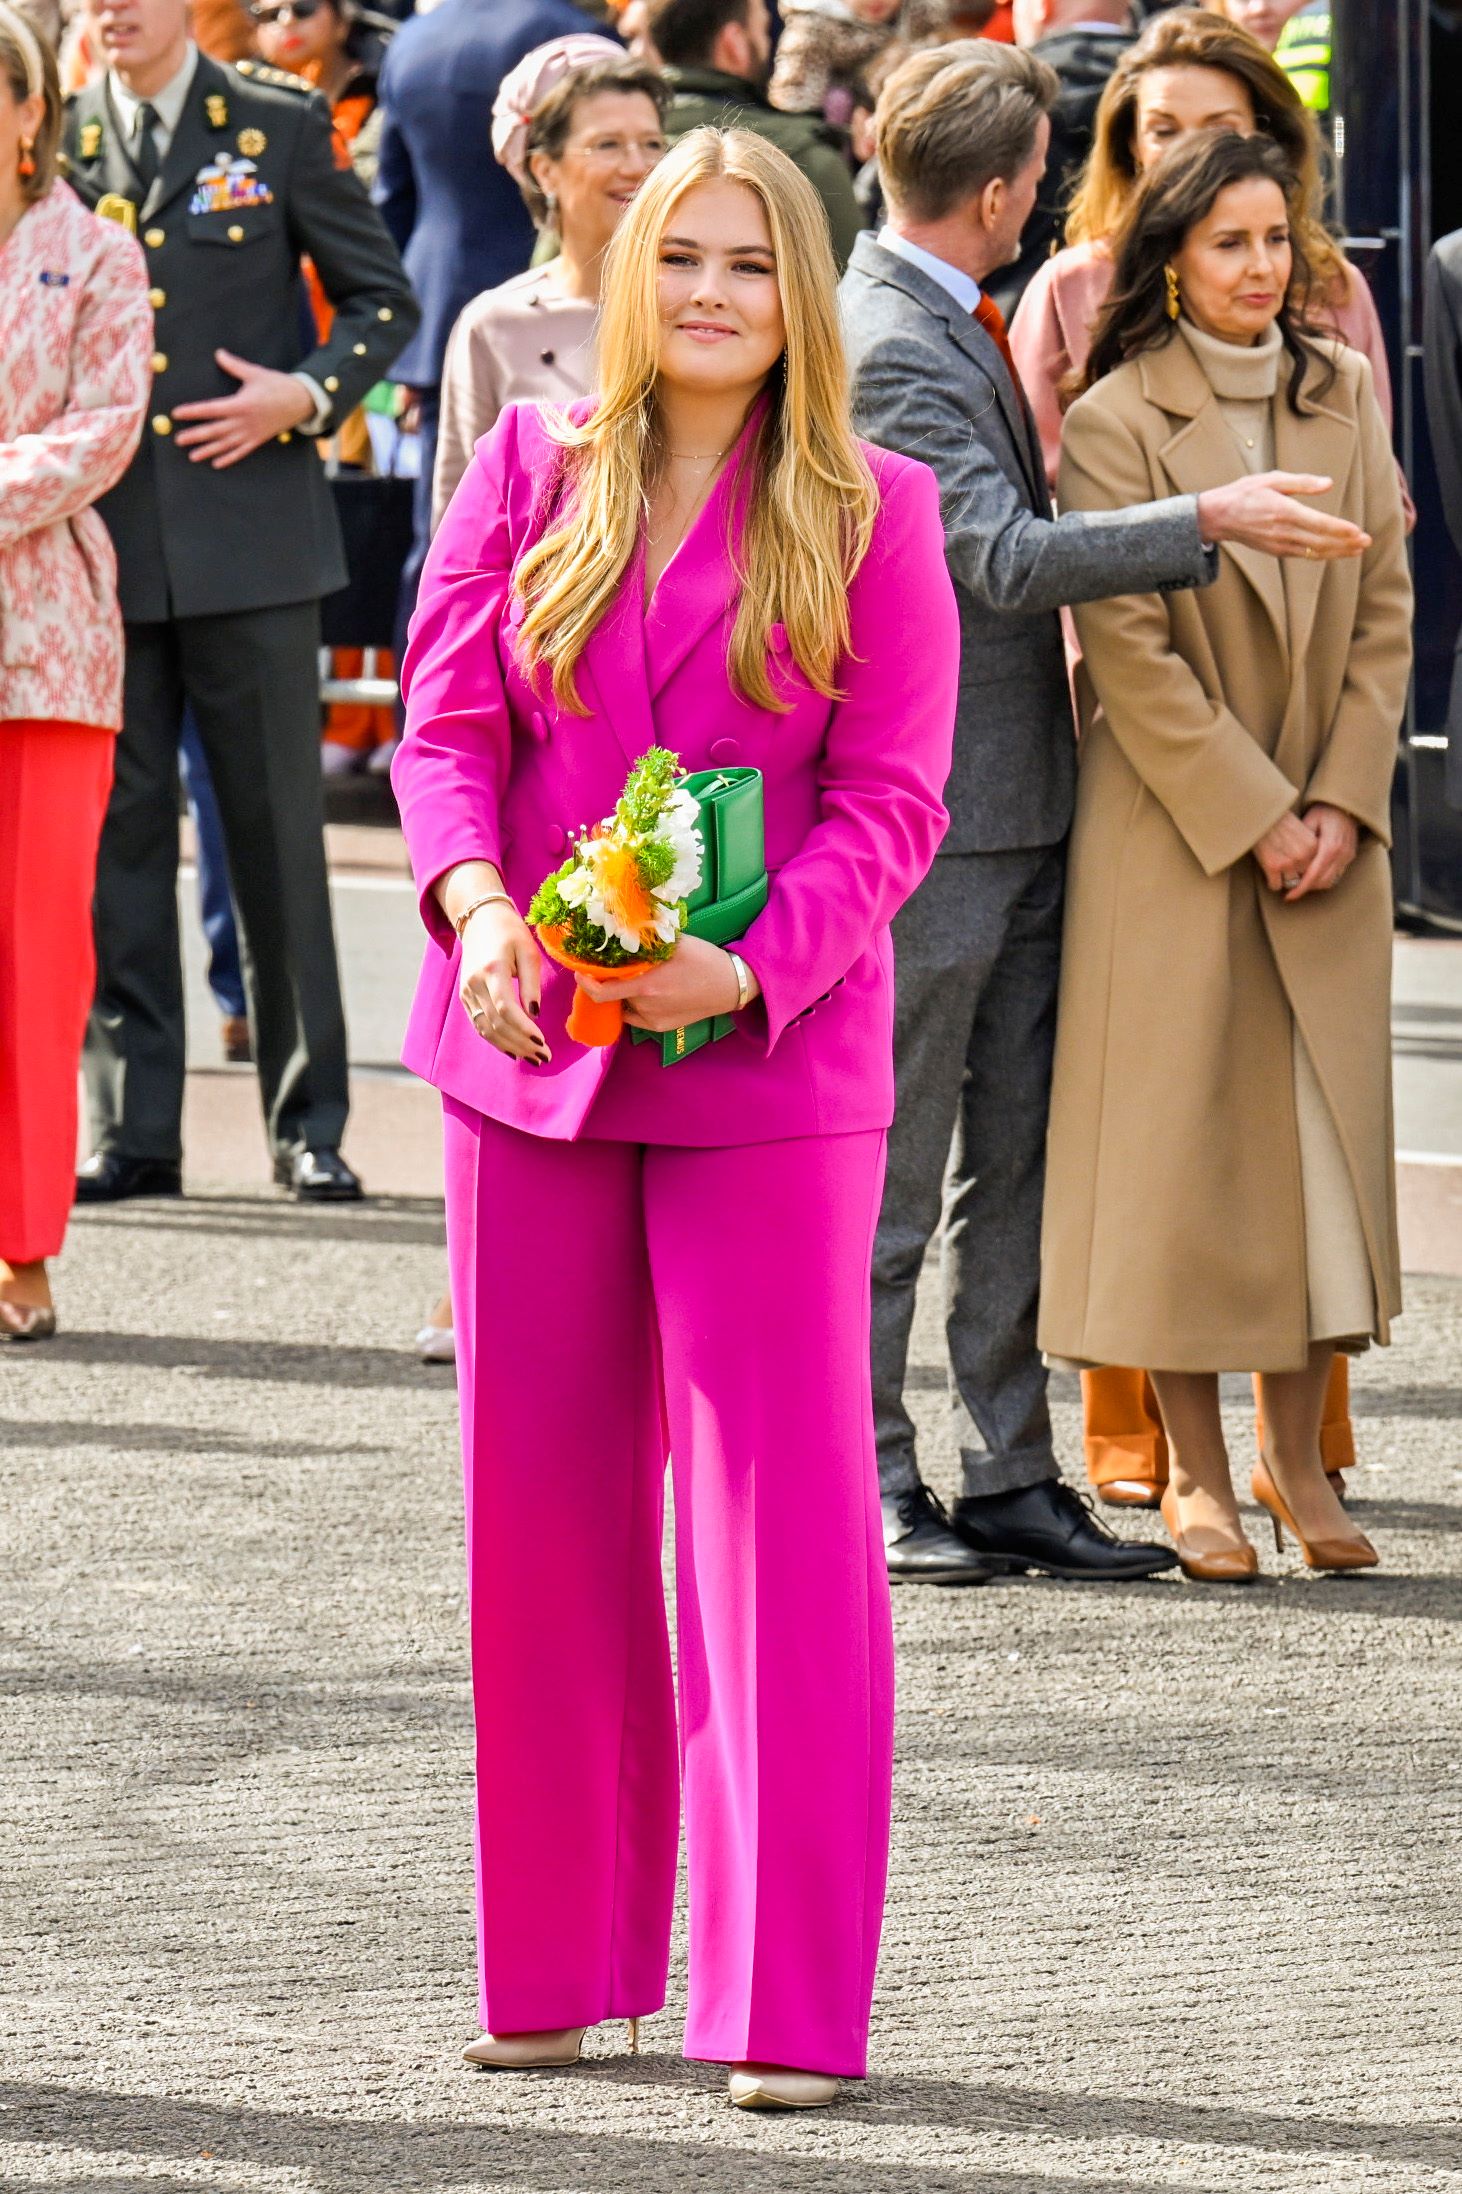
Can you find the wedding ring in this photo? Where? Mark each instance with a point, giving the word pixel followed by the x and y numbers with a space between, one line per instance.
pixel 1312 552
pixel 1289 882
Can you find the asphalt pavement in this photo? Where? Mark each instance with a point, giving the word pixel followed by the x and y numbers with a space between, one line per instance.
pixel 1174 1898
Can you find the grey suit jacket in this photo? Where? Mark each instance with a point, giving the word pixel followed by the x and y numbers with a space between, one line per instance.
pixel 928 381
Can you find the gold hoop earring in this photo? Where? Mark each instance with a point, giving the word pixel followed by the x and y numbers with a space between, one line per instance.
pixel 1174 302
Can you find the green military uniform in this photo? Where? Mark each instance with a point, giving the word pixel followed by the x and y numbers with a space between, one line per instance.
pixel 710 97
pixel 220 575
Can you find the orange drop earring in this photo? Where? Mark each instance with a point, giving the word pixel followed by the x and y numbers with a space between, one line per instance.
pixel 26 166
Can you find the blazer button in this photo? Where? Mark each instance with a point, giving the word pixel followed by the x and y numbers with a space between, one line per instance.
pixel 161 423
pixel 157 298
pixel 726 751
pixel 540 724
pixel 554 838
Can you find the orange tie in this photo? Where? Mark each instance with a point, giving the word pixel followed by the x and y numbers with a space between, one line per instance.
pixel 992 320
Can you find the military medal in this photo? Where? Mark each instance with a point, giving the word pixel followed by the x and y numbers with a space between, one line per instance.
pixel 226 184
pixel 215 106
pixel 252 143
pixel 91 140
pixel 114 207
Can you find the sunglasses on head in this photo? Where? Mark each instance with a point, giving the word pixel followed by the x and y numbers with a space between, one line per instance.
pixel 289 11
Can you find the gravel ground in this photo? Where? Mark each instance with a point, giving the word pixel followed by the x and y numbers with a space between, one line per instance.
pixel 1174 1897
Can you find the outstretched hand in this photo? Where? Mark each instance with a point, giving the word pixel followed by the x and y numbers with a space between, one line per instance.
pixel 1260 512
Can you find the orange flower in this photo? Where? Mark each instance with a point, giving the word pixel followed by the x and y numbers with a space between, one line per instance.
pixel 617 875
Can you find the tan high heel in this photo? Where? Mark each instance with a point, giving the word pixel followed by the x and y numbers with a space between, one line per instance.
pixel 779 2087
pixel 1225 1565
pixel 26 1322
pixel 550 2050
pixel 1332 1554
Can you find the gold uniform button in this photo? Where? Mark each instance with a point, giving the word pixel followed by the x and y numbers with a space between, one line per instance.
pixel 161 423
pixel 384 312
pixel 332 382
pixel 159 361
pixel 288 435
pixel 360 350
pixel 235 234
pixel 157 298
pixel 154 237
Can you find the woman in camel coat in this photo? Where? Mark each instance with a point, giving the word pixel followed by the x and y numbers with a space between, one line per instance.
pixel 1208 1010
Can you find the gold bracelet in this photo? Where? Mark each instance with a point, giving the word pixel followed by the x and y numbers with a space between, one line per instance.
pixel 488 899
pixel 743 980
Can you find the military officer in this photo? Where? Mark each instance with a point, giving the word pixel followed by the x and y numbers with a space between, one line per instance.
pixel 226 539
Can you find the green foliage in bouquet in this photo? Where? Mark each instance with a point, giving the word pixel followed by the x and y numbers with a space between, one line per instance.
pixel 619 900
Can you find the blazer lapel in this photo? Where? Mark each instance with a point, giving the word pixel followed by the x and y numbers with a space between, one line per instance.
pixel 194 141
pixel 613 663
pixel 698 585
pixel 1201 454
pixel 1319 440
pixel 108 169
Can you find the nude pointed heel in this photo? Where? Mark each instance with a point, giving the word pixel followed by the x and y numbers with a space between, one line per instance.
pixel 779 2087
pixel 556 2047
pixel 1228 1565
pixel 634 2037
pixel 1328 1554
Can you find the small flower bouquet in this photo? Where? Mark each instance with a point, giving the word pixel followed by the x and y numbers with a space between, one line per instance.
pixel 618 903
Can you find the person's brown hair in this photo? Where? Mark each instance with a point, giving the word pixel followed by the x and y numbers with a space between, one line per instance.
pixel 1196 38
pixel 683 32
pixel 1167 206
pixel 951 119
pixel 552 120
pixel 46 146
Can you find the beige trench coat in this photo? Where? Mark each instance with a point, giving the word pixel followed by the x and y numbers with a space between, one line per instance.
pixel 1174 1221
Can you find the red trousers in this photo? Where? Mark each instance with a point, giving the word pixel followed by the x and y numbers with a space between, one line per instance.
pixel 54 783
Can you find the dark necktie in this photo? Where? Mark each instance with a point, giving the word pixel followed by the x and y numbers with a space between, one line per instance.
pixel 145 157
pixel 992 320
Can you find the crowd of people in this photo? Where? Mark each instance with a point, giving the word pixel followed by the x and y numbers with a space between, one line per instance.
pixel 833 408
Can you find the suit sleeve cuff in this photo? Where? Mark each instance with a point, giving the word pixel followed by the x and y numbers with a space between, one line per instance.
pixel 320 419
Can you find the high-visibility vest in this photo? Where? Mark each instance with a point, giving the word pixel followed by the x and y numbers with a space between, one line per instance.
pixel 1303 52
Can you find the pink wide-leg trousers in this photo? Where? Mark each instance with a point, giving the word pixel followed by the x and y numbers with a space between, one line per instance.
pixel 615 1301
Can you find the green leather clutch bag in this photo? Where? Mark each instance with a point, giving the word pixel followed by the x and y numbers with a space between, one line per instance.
pixel 731 893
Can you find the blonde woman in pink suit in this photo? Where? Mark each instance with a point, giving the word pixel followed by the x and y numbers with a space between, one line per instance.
pixel 76 338
pixel 648 1261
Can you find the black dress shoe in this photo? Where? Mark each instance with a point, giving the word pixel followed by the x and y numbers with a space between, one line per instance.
pixel 317 1176
pixel 920 1545
pixel 110 1175
pixel 1051 1528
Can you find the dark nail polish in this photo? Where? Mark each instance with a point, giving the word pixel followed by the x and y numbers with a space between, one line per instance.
pixel 533 1009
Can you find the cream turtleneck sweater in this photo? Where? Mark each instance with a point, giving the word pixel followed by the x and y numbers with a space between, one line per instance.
pixel 1244 378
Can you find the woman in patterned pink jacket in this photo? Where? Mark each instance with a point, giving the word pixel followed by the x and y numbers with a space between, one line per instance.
pixel 76 338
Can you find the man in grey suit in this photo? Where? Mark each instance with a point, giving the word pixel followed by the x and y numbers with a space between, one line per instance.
pixel 963 132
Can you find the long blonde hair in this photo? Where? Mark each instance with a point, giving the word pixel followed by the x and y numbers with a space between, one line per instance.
pixel 810 499
pixel 1197 38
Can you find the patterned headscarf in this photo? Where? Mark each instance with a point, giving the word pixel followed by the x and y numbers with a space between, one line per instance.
pixel 525 88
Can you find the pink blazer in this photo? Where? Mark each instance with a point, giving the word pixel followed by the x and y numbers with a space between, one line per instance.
pixel 491 769
pixel 76 337
pixel 1051 332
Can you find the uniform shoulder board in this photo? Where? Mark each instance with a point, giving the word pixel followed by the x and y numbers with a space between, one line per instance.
pixel 258 72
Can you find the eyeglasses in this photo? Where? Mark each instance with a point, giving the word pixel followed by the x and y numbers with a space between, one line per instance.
pixel 601 149
pixel 290 11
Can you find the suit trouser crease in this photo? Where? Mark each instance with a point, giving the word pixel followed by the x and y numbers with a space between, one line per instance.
pixel 54 780
pixel 616 1302
pixel 976 961
pixel 252 681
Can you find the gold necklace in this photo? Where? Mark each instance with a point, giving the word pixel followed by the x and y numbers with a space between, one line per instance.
pixel 697 456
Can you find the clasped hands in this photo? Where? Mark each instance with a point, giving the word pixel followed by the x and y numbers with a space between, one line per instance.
pixel 1310 852
pixel 500 983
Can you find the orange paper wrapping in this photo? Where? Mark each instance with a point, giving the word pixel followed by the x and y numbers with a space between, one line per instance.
pixel 591 1021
